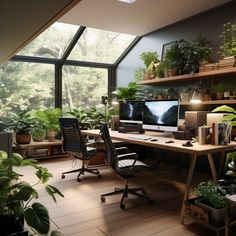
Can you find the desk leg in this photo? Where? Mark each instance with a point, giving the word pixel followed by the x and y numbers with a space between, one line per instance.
pixel 212 166
pixel 188 185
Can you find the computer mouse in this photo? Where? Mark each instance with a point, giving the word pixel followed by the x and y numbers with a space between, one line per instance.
pixel 188 144
pixel 153 139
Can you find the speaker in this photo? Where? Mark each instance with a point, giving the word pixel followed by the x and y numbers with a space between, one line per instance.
pixel 193 120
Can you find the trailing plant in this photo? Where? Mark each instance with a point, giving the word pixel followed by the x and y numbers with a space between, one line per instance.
pixel 138 74
pixel 16 195
pixel 211 192
pixel 228 40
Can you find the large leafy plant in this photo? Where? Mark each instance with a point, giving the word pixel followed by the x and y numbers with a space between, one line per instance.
pixel 211 192
pixel 21 122
pixel 16 195
pixel 131 92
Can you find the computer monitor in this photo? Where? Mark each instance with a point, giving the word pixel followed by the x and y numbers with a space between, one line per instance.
pixel 161 115
pixel 131 111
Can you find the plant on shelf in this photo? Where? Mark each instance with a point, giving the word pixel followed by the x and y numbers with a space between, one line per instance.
pixel 162 69
pixel 212 193
pixel 22 123
pixel 49 117
pixel 138 74
pixel 228 40
pixel 132 92
pixel 219 90
pixel 150 60
pixel 173 58
pixel 16 196
pixel 202 50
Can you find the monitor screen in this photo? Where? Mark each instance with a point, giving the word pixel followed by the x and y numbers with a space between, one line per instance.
pixel 131 111
pixel 161 115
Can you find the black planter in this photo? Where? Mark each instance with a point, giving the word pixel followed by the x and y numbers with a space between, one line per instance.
pixel 9 226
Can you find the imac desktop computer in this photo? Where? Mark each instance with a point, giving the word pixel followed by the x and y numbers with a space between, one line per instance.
pixel 161 115
pixel 130 116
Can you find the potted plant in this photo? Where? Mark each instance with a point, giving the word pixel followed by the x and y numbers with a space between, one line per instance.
pixel 16 196
pixel 173 58
pixel 131 92
pixel 219 90
pixel 150 59
pixel 49 117
pixel 22 123
pixel 228 37
pixel 212 198
pixel 162 69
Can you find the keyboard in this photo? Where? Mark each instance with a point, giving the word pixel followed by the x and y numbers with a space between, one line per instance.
pixel 141 137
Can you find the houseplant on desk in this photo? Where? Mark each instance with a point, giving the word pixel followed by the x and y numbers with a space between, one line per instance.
pixel 16 196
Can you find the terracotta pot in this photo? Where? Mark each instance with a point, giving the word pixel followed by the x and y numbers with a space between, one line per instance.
pixel 23 138
pixel 219 95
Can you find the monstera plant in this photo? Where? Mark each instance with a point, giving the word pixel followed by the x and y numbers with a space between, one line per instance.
pixel 16 197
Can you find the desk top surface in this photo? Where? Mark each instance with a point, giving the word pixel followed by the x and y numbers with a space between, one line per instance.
pixel 136 138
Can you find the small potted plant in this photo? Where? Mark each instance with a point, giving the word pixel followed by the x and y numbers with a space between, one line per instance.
pixel 150 59
pixel 50 119
pixel 22 123
pixel 16 205
pixel 219 90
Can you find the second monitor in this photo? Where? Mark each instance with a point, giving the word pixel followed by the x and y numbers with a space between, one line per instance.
pixel 161 115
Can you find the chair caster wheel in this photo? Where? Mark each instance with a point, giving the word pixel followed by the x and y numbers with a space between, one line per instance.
pixel 78 179
pixel 150 201
pixel 122 206
pixel 99 176
pixel 103 199
pixel 144 192
pixel 63 176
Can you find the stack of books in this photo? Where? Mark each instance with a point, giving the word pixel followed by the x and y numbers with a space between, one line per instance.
pixel 227 62
pixel 221 133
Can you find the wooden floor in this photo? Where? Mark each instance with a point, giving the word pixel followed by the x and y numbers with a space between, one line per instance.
pixel 81 212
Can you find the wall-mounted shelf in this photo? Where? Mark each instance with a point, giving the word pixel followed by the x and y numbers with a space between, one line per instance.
pixel 218 102
pixel 189 77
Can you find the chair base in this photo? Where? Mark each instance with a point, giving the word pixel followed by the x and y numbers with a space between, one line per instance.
pixel 81 172
pixel 125 191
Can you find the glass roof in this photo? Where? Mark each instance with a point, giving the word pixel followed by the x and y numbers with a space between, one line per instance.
pixel 100 46
pixel 94 45
pixel 52 43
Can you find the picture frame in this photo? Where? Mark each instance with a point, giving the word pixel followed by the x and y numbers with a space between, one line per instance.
pixel 165 47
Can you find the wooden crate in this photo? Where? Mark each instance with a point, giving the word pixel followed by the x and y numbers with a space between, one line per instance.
pixel 196 211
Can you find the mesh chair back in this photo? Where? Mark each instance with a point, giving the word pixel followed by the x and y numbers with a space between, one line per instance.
pixel 72 137
pixel 111 156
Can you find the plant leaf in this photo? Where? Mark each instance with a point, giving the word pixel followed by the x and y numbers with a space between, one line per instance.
pixel 224 108
pixel 37 217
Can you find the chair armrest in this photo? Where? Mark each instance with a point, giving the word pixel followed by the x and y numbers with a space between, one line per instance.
pixel 131 155
pixel 122 150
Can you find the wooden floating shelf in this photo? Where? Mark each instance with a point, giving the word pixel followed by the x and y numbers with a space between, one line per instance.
pixel 194 76
pixel 218 102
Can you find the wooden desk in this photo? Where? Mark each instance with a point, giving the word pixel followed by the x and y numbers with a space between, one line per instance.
pixel 44 144
pixel 194 151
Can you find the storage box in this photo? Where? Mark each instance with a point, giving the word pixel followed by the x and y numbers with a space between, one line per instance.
pixel 196 211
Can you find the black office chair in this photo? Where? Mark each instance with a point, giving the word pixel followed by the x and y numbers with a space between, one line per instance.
pixel 124 166
pixel 75 145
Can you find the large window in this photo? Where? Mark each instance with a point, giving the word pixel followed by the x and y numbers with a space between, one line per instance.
pixel 83 86
pixel 100 46
pixel 52 43
pixel 26 86
pixel 28 82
